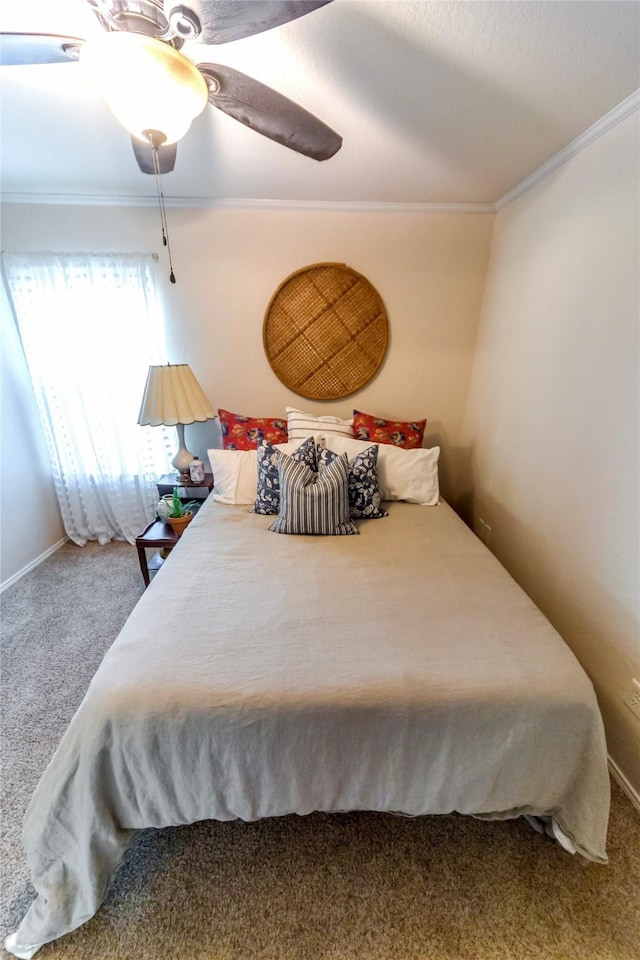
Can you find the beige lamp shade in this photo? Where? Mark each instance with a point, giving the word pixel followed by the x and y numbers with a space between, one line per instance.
pixel 173 397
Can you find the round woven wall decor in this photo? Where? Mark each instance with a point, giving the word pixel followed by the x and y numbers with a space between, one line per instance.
pixel 325 331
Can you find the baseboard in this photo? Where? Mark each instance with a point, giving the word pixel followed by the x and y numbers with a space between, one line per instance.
pixel 633 795
pixel 33 564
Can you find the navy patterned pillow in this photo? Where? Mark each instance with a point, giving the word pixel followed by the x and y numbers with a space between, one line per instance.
pixel 314 503
pixel 365 500
pixel 268 490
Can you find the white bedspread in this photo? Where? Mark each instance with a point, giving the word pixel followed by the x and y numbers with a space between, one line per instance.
pixel 400 670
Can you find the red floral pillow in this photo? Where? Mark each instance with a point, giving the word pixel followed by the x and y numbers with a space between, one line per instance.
pixel 396 432
pixel 244 433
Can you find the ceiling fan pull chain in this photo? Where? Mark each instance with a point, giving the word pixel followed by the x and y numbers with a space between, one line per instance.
pixel 163 212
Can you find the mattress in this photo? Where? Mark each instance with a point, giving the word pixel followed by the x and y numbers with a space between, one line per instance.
pixel 401 670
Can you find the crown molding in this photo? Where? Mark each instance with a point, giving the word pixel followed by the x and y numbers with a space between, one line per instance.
pixel 378 206
pixel 245 203
pixel 594 132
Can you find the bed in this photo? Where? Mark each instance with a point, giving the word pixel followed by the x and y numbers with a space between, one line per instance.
pixel 400 670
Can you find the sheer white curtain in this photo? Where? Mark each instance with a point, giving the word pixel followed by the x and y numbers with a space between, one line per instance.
pixel 90 326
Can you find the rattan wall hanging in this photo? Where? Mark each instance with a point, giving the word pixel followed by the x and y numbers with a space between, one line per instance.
pixel 325 331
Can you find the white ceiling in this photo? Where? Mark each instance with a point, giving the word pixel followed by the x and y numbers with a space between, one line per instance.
pixel 438 102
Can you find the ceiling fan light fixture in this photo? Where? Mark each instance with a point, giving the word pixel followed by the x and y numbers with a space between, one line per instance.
pixel 146 83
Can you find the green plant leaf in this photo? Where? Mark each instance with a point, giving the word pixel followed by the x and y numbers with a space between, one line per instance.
pixel 179 509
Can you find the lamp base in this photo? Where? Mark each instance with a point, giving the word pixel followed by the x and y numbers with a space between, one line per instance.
pixel 182 458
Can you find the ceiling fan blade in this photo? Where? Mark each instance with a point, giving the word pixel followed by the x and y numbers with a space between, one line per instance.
pixel 268 112
pixel 18 49
pixel 225 20
pixel 144 156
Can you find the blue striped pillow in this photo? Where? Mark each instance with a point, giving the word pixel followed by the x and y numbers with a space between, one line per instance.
pixel 312 503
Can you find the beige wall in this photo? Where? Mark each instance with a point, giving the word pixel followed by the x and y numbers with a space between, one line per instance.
pixel 428 267
pixel 30 523
pixel 552 419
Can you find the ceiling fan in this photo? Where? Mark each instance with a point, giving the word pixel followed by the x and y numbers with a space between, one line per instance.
pixel 155 91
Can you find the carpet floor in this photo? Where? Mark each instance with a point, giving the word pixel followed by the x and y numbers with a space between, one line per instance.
pixel 358 886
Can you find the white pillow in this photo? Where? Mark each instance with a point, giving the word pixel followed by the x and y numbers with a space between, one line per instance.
pixel 301 425
pixel 235 473
pixel 410 475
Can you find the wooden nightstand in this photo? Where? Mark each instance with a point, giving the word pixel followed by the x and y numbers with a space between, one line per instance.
pixel 169 481
pixel 156 536
pixel 159 536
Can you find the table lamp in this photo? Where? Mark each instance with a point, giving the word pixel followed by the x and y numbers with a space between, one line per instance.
pixel 173 397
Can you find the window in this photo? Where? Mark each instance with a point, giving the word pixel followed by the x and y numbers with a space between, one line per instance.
pixel 91 325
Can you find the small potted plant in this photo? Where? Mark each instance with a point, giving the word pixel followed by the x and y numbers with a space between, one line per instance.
pixel 180 514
